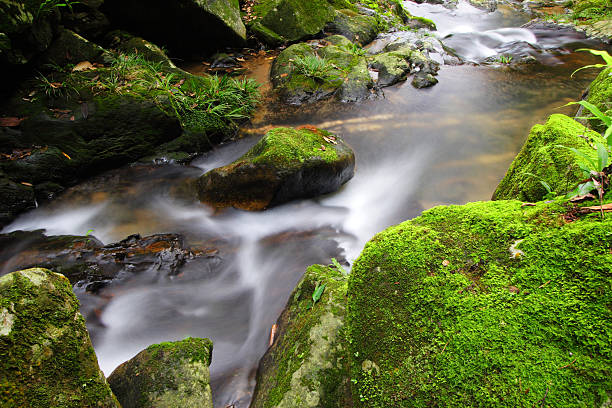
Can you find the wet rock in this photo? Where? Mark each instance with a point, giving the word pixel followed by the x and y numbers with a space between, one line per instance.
pixel 307 365
pixel 16 198
pixel 127 43
pixel 265 35
pixel 69 47
pixel 357 28
pixel 600 95
pixel 442 296
pixel 391 68
pixel 306 72
pixel 294 20
pixel 166 375
pixel 284 165
pixel 223 60
pixel 93 265
pixel 487 5
pixel 47 356
pixel 541 159
pixel 187 27
pixel 423 80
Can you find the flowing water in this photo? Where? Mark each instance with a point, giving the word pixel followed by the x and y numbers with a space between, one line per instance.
pixel 415 149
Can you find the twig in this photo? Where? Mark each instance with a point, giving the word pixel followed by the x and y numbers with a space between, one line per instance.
pixel 446 345
pixel 543 400
pixel 567 365
pixel 544 284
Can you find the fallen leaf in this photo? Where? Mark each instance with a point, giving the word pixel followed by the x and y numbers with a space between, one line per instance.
pixel 95 78
pixel 11 121
pixel 55 85
pixel 605 207
pixel 83 66
pixel 26 184
pixel 31 94
pixel 323 148
pixel 581 198
pixel 72 118
pixel 240 59
pixel 284 75
pixel 273 330
pixel 445 262
pixel 179 83
pixel 528 205
pixel 69 158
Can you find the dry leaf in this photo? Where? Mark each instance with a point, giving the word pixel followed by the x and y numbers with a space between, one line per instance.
pixel 445 262
pixel 283 75
pixel 240 59
pixel 26 184
pixel 11 121
pixel 605 207
pixel 55 85
pixel 83 66
pixel 72 118
pixel 323 148
pixel 581 198
pixel 528 205
pixel 69 158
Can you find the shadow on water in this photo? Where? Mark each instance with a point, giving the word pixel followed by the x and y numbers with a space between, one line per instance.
pixel 448 144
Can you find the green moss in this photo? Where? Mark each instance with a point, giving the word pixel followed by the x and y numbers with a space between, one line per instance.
pixel 441 313
pixel 590 11
pixel 286 147
pixel 307 365
pixel 540 156
pixel 47 357
pixel 600 95
pixel 293 19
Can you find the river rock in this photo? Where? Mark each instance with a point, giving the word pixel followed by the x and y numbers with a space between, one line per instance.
pixel 541 160
pixel 127 43
pixel 600 95
pixel 69 47
pixel 293 20
pixel 16 198
pixel 187 27
pixel 166 375
pixel 342 72
pixel 286 164
pixel 307 364
pixel 356 27
pixel 47 356
pixel 473 305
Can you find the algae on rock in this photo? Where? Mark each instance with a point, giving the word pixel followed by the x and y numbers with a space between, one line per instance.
pixel 47 356
pixel 600 95
pixel 545 161
pixel 166 375
pixel 441 312
pixel 285 164
pixel 307 365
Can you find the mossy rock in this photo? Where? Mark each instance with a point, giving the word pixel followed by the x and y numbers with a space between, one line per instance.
pixel 69 47
pixel 486 304
pixel 600 95
pixel 16 198
pixel 47 356
pixel 205 26
pixel 391 68
pixel 357 28
pixel 487 5
pixel 166 375
pixel 265 35
pixel 286 164
pixel 294 20
pixel 541 156
pixel 127 43
pixel 307 365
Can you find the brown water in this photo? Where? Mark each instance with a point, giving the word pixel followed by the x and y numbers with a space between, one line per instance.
pixel 448 144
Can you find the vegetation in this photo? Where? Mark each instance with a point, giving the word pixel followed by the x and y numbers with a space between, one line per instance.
pixel 314 67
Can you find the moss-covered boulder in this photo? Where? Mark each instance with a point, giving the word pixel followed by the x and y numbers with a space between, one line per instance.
pixel 69 47
pixel 307 72
pixel 293 20
pixel 166 375
pixel 285 164
pixel 186 27
pixel 47 356
pixel 600 95
pixel 126 43
pixel 358 28
pixel 307 365
pixel 542 160
pixel 392 68
pixel 486 304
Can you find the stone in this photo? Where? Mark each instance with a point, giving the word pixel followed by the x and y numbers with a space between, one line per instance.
pixel 307 364
pixel 166 375
pixel 47 356
pixel 286 164
pixel 357 28
pixel 600 95
pixel 69 47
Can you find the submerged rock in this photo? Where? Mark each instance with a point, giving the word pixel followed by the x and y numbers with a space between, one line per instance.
pixel 307 365
pixel 188 27
pixel 47 356
pixel 284 165
pixel 166 375
pixel 473 305
pixel 542 160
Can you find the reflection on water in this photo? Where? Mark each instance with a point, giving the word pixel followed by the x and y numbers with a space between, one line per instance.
pixel 448 144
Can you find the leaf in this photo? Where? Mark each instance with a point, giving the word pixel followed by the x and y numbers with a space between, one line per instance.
pixel 283 75
pixel 11 121
pixel 603 54
pixel 605 207
pixel 26 184
pixel 55 85
pixel 607 120
pixel 582 155
pixel 316 295
pixel 69 158
pixel 602 156
pixel 581 198
pixel 83 66
pixel 586 188
pixel 338 266
pixel 84 110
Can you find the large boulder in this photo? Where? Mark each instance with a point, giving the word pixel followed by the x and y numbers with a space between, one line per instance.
pixel 486 304
pixel 293 20
pixel 47 356
pixel 166 375
pixel 356 27
pixel 307 72
pixel 285 164
pixel 541 161
pixel 187 27
pixel 307 364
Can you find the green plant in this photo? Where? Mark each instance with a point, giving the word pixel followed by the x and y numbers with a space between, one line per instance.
pixel 48 5
pixel 314 67
pixel 603 54
pixel 549 191
pixel 355 49
pixel 505 59
pixel 318 291
pixel 339 267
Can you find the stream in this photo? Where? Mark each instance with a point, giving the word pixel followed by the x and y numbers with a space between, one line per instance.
pixel 415 149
